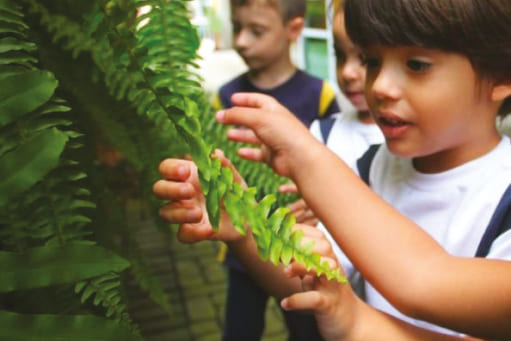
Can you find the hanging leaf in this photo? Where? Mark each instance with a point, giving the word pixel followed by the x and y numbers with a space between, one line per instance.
pixel 17 327
pixel 43 266
pixel 30 162
pixel 23 93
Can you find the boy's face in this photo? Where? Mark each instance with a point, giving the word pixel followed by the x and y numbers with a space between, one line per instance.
pixel 351 71
pixel 430 106
pixel 259 35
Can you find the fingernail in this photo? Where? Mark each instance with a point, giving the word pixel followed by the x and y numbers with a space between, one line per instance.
pixel 193 213
pixel 283 304
pixel 220 115
pixel 185 190
pixel 181 170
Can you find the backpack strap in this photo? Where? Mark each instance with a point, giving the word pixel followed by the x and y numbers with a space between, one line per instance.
pixel 364 163
pixel 325 126
pixel 500 222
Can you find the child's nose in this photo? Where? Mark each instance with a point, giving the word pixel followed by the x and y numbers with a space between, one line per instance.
pixel 241 40
pixel 352 70
pixel 385 85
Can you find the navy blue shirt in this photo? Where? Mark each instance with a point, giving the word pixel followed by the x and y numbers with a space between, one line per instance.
pixel 306 96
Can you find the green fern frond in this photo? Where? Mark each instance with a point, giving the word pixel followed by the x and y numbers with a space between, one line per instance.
pixel 43 266
pixel 67 32
pixel 138 64
pixel 43 202
pixel 21 327
pixel 106 290
pixel 256 174
pixel 150 62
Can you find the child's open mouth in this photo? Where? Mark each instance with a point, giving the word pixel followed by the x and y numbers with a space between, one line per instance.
pixel 392 126
pixel 392 122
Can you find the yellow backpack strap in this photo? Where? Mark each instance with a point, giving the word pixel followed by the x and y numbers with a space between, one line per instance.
pixel 222 252
pixel 326 97
pixel 216 103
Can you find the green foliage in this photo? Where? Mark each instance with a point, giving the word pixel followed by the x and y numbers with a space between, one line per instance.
pixel 43 266
pixel 43 201
pixel 105 290
pixel 165 89
pixel 132 85
pixel 29 163
pixel 17 327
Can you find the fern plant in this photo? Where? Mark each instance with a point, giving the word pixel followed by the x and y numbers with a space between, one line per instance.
pixel 155 108
pixel 43 201
pixel 158 81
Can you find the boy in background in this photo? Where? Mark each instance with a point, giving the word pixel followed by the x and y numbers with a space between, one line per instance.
pixel 263 31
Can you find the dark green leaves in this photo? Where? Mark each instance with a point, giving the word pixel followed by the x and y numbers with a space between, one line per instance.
pixel 23 167
pixel 16 327
pixel 22 93
pixel 43 266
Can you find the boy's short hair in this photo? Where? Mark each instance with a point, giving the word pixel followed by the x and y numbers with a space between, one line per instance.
pixel 338 5
pixel 289 9
pixel 477 29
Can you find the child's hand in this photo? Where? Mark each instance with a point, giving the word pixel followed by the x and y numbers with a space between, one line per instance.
pixel 332 303
pixel 187 206
pixel 283 137
pixel 300 209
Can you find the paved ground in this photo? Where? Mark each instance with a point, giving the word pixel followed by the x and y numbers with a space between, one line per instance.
pixel 196 283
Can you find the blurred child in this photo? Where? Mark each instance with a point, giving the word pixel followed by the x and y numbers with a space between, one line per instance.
pixel 263 32
pixel 348 134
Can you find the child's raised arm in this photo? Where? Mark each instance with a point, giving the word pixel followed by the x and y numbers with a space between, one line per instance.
pixel 465 294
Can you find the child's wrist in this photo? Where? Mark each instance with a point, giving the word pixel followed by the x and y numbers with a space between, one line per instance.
pixel 307 152
pixel 360 322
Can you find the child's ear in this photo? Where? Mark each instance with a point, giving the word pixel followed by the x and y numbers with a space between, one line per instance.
pixel 501 91
pixel 294 28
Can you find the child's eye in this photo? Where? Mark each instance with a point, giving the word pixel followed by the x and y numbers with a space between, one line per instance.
pixel 370 62
pixel 418 65
pixel 258 32
pixel 340 56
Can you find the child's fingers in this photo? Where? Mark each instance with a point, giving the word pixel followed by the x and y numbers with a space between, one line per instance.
pixel 172 190
pixel 243 135
pixel 309 300
pixel 297 206
pixel 313 221
pixel 181 212
pixel 309 231
pixel 252 154
pixel 175 169
pixel 304 215
pixel 191 233
pixel 288 188
pixel 241 116
pixel 253 100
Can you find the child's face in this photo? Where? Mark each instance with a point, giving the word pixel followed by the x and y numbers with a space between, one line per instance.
pixel 430 106
pixel 351 72
pixel 259 35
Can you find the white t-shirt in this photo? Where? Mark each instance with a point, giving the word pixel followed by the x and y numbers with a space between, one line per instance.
pixel 349 139
pixel 454 207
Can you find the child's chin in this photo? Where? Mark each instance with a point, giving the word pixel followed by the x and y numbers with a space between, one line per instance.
pixel 400 149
